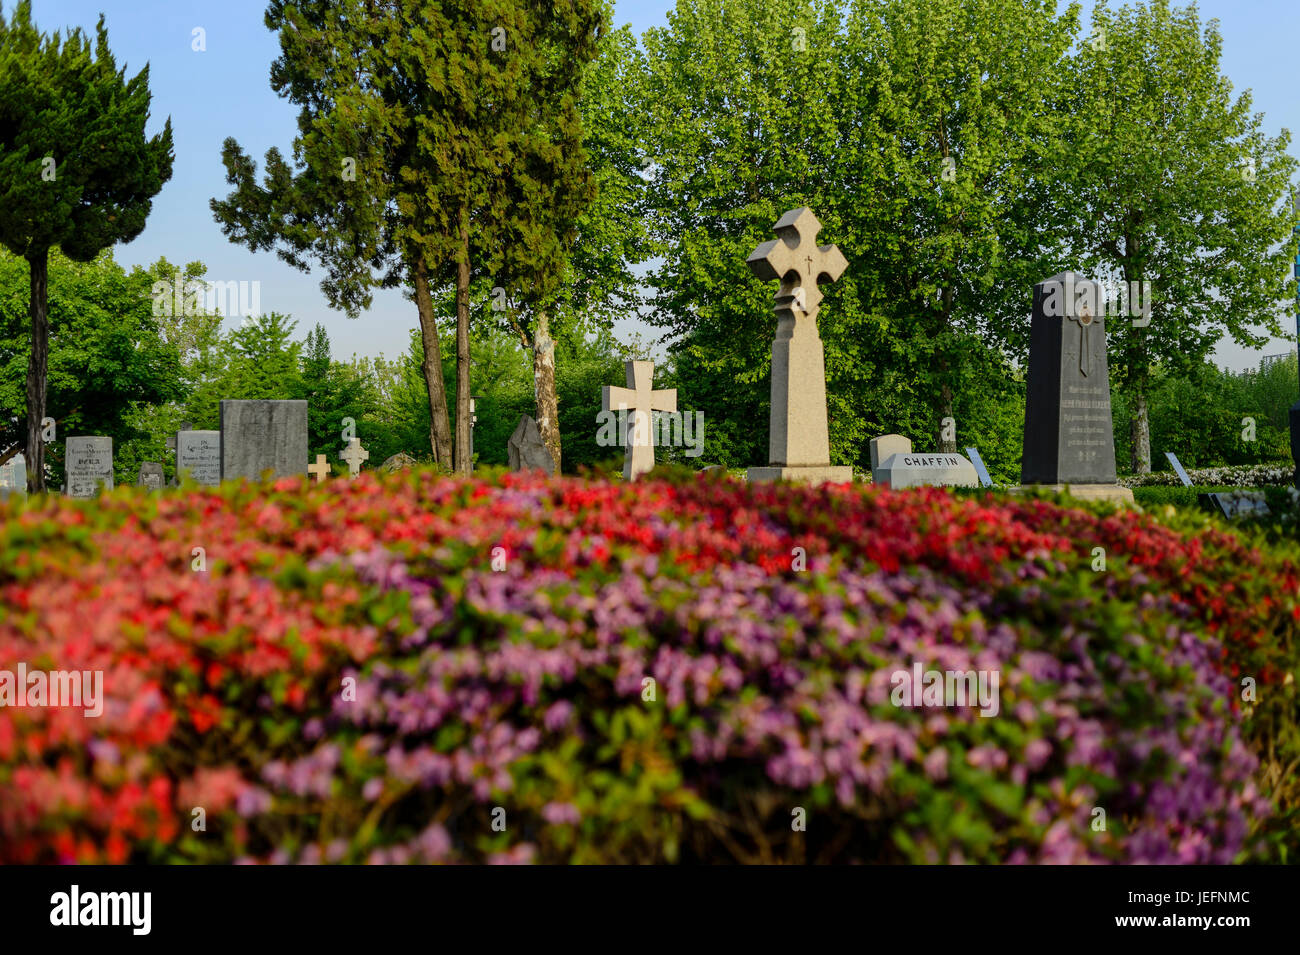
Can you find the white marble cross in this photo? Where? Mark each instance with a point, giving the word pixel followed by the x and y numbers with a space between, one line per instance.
pixel 354 454
pixel 639 398
pixel 320 470
pixel 801 265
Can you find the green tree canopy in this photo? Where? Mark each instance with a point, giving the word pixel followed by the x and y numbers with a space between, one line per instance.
pixel 77 171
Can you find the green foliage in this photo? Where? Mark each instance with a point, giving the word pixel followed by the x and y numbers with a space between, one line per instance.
pixel 108 358
pixel 1163 177
pixel 1201 416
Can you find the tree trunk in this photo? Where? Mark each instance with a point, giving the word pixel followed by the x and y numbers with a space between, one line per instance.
pixel 439 424
pixel 1140 432
pixel 946 445
pixel 37 365
pixel 464 458
pixel 548 402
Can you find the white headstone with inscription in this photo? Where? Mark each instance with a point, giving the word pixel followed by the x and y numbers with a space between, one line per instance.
pixel 89 465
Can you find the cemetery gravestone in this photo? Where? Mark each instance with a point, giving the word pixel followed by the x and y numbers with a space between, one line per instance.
pixel 1235 504
pixel 934 470
pixel 198 455
pixel 13 477
pixel 151 476
pixel 353 455
pixel 1068 437
pixel 320 470
pixel 398 462
pixel 641 399
pixel 1295 439
pixel 89 465
pixel 885 447
pixel 798 440
pixel 527 450
pixel 261 436
pixel 980 470
pixel 1179 469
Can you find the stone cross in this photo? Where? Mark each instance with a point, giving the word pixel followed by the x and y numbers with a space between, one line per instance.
pixel 640 398
pixel 320 470
pixel 800 264
pixel 798 443
pixel 354 455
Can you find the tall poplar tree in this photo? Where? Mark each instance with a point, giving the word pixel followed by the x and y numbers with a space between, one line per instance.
pixel 1166 178
pixel 77 171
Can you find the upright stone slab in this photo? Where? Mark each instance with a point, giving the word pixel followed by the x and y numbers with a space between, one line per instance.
pixel 151 476
pixel 198 455
pixel 526 450
pixel 89 465
pixel 13 477
pixel 798 440
pixel 261 436
pixel 1069 437
pixel 885 447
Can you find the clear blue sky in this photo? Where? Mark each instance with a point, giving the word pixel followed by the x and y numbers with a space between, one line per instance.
pixel 224 91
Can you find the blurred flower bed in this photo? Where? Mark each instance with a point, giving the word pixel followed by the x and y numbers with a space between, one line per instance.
pixel 416 668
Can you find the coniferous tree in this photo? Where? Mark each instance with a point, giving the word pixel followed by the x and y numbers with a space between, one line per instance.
pixel 77 171
pixel 423 126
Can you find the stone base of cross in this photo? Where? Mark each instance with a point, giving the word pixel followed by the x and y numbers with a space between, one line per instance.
pixel 639 398
pixel 798 442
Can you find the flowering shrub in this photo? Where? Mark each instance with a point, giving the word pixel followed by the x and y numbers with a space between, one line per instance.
pixel 1243 475
pixel 423 669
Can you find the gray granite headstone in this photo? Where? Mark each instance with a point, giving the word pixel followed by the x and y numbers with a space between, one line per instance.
pixel 526 449
pixel 1069 437
pixel 1295 440
pixel 13 477
pixel 917 470
pixel 151 476
pixel 260 436
pixel 89 465
pixel 198 454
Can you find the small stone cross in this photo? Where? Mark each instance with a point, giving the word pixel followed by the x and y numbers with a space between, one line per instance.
pixel 354 455
pixel 799 263
pixel 640 398
pixel 320 470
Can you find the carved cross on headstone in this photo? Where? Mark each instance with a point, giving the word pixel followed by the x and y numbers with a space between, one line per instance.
pixel 639 398
pixel 1084 318
pixel 320 470
pixel 354 454
pixel 800 264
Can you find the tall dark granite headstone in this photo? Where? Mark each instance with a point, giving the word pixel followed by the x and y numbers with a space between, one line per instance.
pixel 1068 429
pixel 1295 440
